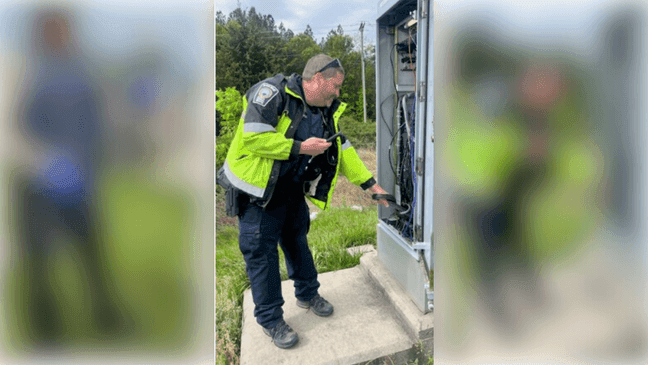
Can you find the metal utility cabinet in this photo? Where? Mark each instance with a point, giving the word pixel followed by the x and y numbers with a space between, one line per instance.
pixel 405 153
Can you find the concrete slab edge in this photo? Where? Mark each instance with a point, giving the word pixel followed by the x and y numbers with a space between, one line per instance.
pixel 406 356
pixel 406 311
pixel 381 282
pixel 396 350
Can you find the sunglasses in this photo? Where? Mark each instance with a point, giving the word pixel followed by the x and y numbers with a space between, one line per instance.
pixel 333 64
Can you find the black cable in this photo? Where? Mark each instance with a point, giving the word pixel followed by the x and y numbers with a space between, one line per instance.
pixel 391 162
pixel 382 115
pixel 404 224
pixel 393 134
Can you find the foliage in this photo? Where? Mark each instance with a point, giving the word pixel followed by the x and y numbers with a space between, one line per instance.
pixel 338 45
pixel 297 52
pixel 247 49
pixel 222 146
pixel 423 355
pixel 309 32
pixel 230 107
pixel 251 47
pixel 361 135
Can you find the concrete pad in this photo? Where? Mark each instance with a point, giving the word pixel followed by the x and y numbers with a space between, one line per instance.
pixel 418 325
pixel 362 328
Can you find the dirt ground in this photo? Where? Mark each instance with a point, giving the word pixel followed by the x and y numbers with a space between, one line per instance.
pixel 346 194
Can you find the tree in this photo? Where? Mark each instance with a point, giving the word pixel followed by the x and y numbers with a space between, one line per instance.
pixel 220 18
pixel 251 47
pixel 309 32
pixel 341 46
pixel 227 67
pixel 298 50
pixel 338 45
pixel 247 49
pixel 370 75
pixel 286 34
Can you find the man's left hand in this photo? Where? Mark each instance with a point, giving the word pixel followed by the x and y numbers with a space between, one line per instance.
pixel 376 189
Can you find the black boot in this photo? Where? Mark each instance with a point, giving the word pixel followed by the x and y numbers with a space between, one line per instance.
pixel 282 335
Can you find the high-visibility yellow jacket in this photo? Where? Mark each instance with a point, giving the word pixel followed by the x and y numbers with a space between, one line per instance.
pixel 272 111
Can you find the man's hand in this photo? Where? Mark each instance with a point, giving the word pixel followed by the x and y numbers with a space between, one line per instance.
pixel 314 146
pixel 376 189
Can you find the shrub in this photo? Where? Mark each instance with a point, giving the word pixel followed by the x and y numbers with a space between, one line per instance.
pixel 361 135
pixel 230 107
pixel 222 146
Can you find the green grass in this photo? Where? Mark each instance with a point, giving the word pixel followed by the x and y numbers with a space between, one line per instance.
pixel 330 235
pixel 231 282
pixel 362 135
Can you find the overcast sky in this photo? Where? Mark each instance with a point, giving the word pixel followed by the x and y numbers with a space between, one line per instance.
pixel 322 15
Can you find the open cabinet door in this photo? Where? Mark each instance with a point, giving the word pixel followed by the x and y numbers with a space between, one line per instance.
pixel 405 151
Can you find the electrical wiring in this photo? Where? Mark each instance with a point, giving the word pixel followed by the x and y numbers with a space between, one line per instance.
pixel 394 135
pixel 403 100
pixel 382 115
pixel 404 170
pixel 409 46
pixel 394 95
pixel 391 132
pixel 412 170
pixel 411 139
pixel 401 148
pixel 410 56
pixel 413 161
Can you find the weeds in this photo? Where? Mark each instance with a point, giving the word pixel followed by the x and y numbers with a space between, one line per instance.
pixel 231 282
pixel 422 354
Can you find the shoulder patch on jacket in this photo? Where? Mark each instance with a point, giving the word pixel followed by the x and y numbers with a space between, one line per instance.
pixel 264 94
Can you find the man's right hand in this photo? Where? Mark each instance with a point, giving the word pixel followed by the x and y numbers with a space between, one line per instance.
pixel 314 146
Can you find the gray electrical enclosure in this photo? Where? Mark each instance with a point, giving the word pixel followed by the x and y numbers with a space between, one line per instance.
pixel 405 153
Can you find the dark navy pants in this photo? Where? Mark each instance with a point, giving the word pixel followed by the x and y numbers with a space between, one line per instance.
pixel 42 213
pixel 285 221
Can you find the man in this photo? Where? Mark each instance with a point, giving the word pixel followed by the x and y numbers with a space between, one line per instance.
pixel 279 154
pixel 60 113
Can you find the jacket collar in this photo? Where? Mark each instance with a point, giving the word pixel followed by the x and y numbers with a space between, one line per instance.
pixel 295 85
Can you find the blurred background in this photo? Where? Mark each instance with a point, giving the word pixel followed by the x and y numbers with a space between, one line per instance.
pixel 540 127
pixel 106 168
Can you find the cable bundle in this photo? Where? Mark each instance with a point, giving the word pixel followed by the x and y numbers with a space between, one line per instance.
pixel 405 166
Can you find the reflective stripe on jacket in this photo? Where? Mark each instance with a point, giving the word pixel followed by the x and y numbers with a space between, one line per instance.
pixel 272 111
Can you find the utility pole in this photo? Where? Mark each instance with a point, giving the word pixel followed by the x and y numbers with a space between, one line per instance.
pixel 364 95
